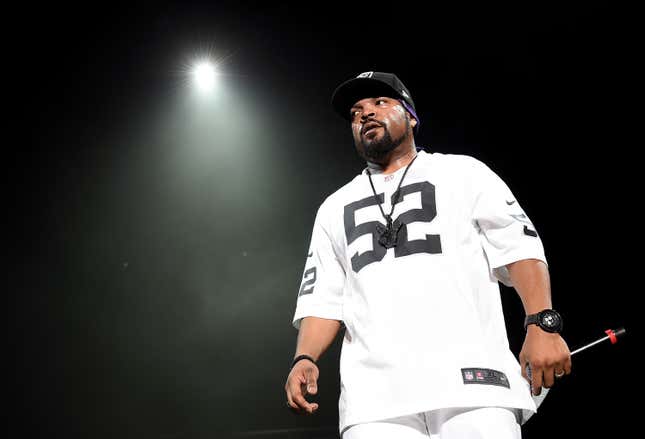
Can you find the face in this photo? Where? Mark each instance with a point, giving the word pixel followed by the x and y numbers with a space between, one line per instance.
pixel 379 126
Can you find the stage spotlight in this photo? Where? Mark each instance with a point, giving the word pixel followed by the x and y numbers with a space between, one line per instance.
pixel 204 76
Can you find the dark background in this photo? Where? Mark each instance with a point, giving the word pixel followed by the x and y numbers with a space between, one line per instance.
pixel 158 240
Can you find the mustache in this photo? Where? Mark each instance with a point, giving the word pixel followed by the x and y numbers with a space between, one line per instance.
pixel 370 124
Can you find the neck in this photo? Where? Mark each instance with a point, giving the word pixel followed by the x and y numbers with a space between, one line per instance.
pixel 397 159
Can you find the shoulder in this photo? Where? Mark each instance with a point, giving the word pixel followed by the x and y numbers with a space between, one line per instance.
pixel 341 197
pixel 454 166
pixel 455 160
pixel 344 193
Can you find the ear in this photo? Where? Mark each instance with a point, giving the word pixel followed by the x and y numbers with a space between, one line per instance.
pixel 413 121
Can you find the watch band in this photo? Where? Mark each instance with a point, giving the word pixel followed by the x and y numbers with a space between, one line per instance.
pixel 548 320
pixel 531 319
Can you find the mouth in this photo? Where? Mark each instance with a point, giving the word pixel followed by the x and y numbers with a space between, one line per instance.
pixel 370 126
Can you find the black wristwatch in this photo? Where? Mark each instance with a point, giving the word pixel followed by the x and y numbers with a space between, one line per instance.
pixel 547 319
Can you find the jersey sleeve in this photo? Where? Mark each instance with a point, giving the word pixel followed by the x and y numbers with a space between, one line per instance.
pixel 506 232
pixel 321 289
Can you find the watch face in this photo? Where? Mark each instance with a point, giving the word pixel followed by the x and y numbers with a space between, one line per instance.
pixel 550 321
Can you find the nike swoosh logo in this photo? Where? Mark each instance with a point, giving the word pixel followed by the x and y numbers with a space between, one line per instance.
pixel 530 232
pixel 310 254
pixel 510 202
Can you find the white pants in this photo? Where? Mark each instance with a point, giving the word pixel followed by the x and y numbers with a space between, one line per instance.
pixel 454 423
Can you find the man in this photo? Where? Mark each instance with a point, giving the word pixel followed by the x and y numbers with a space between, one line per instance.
pixel 407 257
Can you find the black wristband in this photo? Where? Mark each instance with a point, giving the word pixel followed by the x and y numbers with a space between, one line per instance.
pixel 301 357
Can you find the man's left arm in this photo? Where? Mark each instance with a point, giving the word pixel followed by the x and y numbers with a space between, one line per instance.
pixel 546 353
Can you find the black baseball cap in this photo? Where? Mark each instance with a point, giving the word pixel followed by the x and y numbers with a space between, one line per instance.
pixel 367 85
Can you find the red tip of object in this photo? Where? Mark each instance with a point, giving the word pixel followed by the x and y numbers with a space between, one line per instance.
pixel 612 336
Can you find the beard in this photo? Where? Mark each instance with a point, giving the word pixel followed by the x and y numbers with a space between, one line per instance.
pixel 376 150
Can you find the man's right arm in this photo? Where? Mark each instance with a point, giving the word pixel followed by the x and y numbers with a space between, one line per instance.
pixel 315 336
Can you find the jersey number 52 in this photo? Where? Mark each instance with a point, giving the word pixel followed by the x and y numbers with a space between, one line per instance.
pixel 431 244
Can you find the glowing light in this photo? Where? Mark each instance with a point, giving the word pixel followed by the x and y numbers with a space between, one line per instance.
pixel 204 76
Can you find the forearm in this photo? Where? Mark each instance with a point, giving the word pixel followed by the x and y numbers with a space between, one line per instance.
pixel 530 279
pixel 315 336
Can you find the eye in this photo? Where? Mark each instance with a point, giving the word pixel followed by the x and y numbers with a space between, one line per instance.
pixel 381 101
pixel 354 113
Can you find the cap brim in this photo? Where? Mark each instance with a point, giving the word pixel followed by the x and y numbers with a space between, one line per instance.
pixel 352 91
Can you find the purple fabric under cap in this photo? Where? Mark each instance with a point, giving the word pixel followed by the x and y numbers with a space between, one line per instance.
pixel 411 111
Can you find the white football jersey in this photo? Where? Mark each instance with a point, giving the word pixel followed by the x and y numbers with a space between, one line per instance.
pixel 424 322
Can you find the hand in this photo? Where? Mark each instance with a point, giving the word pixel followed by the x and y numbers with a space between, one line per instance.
pixel 302 381
pixel 548 356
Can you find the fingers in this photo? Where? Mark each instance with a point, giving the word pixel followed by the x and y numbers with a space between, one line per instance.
pixel 526 372
pixel 545 375
pixel 563 365
pixel 568 365
pixel 561 370
pixel 311 377
pixel 532 373
pixel 548 377
pixel 297 403
pixel 300 383
pixel 537 379
pixel 304 406
pixel 544 358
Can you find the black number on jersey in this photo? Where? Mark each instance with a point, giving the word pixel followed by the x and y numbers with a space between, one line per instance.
pixel 309 279
pixel 431 244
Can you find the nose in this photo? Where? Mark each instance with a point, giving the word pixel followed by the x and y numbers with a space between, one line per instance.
pixel 367 115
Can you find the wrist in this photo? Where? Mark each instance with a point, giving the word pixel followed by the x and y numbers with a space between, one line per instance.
pixel 547 320
pixel 302 357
